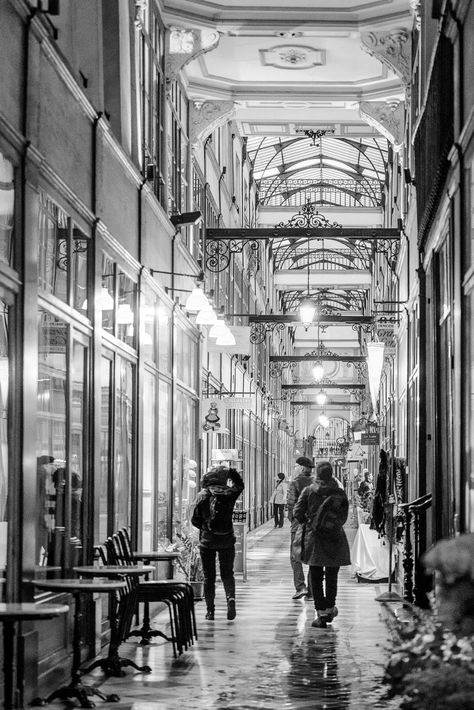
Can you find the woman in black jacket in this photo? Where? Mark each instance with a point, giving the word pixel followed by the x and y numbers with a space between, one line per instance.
pixel 213 516
pixel 325 549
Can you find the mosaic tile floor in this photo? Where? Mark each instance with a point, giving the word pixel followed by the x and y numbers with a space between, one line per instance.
pixel 269 657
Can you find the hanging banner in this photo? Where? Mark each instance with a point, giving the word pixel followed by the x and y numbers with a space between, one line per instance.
pixel 239 403
pixel 227 454
pixel 242 345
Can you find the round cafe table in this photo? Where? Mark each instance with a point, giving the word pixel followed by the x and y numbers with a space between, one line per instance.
pixel 114 663
pixel 10 615
pixel 77 587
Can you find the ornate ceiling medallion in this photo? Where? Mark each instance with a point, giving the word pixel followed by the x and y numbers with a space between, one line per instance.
pixel 286 56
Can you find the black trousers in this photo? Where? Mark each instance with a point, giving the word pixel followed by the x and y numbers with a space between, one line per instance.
pixel 324 586
pixel 226 567
pixel 279 514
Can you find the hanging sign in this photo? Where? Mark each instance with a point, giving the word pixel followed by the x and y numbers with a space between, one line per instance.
pixel 369 438
pixel 213 415
pixel 238 403
pixel 227 454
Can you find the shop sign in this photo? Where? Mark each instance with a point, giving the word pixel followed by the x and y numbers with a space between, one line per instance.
pixel 227 454
pixel 369 438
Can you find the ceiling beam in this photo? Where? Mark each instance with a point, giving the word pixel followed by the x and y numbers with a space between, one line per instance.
pixel 317 357
pixel 292 233
pixel 292 319
pixel 331 386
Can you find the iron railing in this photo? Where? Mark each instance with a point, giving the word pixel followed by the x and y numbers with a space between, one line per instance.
pixel 364 192
pixel 414 517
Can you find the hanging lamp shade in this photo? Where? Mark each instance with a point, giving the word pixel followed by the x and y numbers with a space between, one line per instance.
pixel 227 339
pixel 206 316
pixel 219 329
pixel 307 311
pixel 318 371
pixel 197 300
pixel 375 351
pixel 321 398
pixel 323 420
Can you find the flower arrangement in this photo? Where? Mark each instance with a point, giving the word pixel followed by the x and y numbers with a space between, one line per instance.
pixel 432 656
pixel 190 560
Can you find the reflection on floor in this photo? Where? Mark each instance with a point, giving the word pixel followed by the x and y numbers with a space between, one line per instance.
pixel 269 657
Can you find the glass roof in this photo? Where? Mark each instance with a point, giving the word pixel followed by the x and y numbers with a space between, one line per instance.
pixel 347 172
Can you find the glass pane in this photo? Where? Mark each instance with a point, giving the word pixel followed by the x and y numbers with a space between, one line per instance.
pixel 79 369
pixel 107 294
pixel 127 291
pixel 53 257
pixel 4 388
pixel 149 464
pixel 103 482
pixel 123 442
pixel 164 338
pixel 148 336
pixel 51 438
pixel 80 253
pixel 163 459
pixel 7 207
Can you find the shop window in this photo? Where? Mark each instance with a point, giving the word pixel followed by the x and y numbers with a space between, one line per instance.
pixel 118 301
pixel 7 209
pixel 61 400
pixel 148 465
pixel 164 459
pixel 105 451
pixel 124 387
pixel 63 255
pixel 177 115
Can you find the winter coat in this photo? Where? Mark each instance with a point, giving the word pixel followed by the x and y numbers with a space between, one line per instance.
pixel 326 552
pixel 222 536
pixel 294 489
pixel 279 494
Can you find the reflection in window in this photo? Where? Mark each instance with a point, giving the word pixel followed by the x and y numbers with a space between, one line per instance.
pixel 149 463
pixel 7 206
pixel 123 442
pixel 62 256
pixel 51 438
pixel 103 482
pixel 163 458
pixel 4 384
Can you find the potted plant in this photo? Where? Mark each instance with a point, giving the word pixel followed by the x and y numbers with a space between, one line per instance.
pixel 190 561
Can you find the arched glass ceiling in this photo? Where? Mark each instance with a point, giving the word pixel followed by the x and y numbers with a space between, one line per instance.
pixel 338 171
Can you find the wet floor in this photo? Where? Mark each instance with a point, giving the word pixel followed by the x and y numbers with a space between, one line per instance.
pixel 269 657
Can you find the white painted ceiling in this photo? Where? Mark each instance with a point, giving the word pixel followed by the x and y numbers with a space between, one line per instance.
pixel 294 66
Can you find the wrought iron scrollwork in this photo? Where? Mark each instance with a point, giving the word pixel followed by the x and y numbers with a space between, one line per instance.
pixel 276 368
pixel 296 408
pixel 219 251
pixel 258 331
pixel 288 394
pixel 308 216
pixel 389 248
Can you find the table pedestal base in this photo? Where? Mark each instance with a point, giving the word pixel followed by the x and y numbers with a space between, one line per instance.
pixel 77 691
pixel 113 665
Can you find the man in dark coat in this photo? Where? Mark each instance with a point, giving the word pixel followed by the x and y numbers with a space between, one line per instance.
pixel 325 550
pixel 213 516
pixel 303 477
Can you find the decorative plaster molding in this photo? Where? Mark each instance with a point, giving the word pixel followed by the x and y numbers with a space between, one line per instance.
pixel 286 56
pixel 387 118
pixel 392 49
pixel 206 117
pixel 184 45
pixel 416 8
pixel 140 7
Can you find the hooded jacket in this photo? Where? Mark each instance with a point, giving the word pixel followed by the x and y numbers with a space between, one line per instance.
pixel 324 551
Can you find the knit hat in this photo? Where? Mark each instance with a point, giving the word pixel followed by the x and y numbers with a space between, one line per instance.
pixel 216 477
pixel 305 461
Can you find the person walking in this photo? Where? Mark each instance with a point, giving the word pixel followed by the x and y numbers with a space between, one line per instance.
pixel 278 499
pixel 212 514
pixel 324 507
pixel 303 478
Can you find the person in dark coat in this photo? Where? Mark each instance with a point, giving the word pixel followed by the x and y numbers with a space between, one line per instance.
pixel 303 477
pixel 327 551
pixel 213 516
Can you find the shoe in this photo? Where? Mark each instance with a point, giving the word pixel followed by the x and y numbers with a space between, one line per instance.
pixel 210 615
pixel 332 612
pixel 309 598
pixel 299 595
pixel 231 611
pixel 321 620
